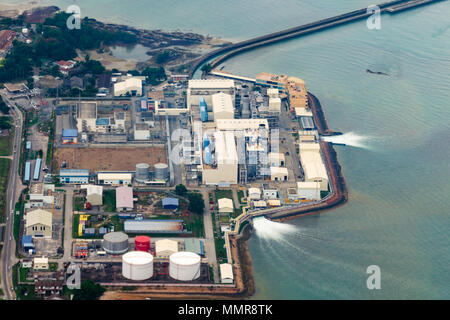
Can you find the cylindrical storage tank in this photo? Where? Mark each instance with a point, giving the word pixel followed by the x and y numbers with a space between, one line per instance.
pixel 184 266
pixel 161 171
pixel 142 171
pixel 115 242
pixel 142 243
pixel 137 265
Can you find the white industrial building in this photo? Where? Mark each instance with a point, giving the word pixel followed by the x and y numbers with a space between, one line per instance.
pixel 225 205
pixel 254 193
pixel 41 195
pixel 222 106
pixel 270 194
pixel 132 85
pixel 40 263
pixel 276 159
pixel 312 164
pixel 39 223
pixel 94 194
pixel 241 124
pixel 279 174
pixel 275 104
pixel 308 190
pixel 226 273
pixel 141 131
pixel 114 178
pixel 124 199
pixel 225 169
pixel 206 88
pixel 165 247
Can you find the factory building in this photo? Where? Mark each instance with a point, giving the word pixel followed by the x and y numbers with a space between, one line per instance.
pixel 41 195
pixel 141 131
pixel 254 193
pixel 132 86
pixel 308 190
pixel 225 168
pixel 74 176
pixel 206 88
pixel 222 106
pixel 39 224
pixel 114 178
pixel 194 245
pixel 226 273
pixel 276 159
pixel 313 165
pixel 94 194
pixel 40 263
pixel 69 136
pixel 86 116
pixel 269 194
pixel 278 174
pixel 165 248
pixel 124 199
pixel 225 205
pixel 170 203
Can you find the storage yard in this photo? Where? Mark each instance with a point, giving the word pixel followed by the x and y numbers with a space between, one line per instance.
pixel 116 159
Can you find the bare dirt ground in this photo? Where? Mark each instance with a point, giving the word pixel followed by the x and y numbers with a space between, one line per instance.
pixel 109 158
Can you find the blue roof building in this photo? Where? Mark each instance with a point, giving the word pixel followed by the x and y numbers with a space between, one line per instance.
pixel 70 133
pixel 37 168
pixel 27 171
pixel 170 203
pixel 74 176
pixel 102 122
pixel 28 145
pixel 27 242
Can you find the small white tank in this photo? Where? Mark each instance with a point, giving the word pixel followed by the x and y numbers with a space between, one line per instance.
pixel 137 265
pixel 184 266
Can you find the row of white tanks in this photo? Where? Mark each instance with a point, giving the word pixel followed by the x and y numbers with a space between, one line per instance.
pixel 183 266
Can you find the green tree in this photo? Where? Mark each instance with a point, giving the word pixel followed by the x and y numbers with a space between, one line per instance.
pixel 89 291
pixel 206 68
pixel 196 203
pixel 180 189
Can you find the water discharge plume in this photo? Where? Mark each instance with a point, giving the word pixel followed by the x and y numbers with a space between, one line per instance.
pixel 349 139
pixel 267 229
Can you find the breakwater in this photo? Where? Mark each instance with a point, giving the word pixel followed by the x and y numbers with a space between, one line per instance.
pixel 229 51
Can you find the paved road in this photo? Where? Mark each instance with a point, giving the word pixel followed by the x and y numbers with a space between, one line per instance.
pixel 68 224
pixel 8 253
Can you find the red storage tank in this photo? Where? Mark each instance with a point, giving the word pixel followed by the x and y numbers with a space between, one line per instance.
pixel 142 243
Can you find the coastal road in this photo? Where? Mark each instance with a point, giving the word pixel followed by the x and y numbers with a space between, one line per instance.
pixel 8 253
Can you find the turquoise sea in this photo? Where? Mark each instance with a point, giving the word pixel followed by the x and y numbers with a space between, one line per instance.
pixel 398 171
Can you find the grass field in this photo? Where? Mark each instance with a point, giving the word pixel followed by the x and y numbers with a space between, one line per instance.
pixel 4 170
pixel 109 200
pixel 6 143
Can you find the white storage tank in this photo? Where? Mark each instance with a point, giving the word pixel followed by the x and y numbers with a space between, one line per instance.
pixel 161 171
pixel 184 266
pixel 142 171
pixel 137 265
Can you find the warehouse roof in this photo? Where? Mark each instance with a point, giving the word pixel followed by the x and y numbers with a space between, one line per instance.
pixel 210 84
pixel 313 165
pixel 166 245
pixel 278 170
pixel 222 103
pixel 69 133
pixel 38 216
pixel 308 185
pixel 170 202
pixel 225 203
pixel 154 226
pixel 87 110
pixel 124 197
pixel 73 172
pixel 114 176
pixel 226 271
pixel 194 245
pixel 93 189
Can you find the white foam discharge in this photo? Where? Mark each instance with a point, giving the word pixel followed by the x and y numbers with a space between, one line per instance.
pixel 267 229
pixel 349 139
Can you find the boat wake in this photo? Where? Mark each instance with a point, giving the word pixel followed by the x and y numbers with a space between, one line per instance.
pixel 271 230
pixel 349 139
